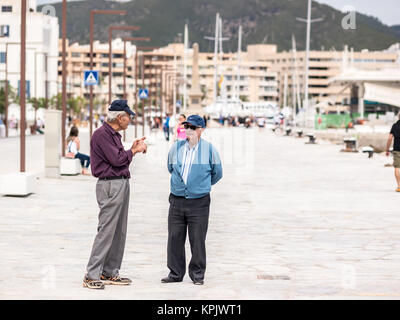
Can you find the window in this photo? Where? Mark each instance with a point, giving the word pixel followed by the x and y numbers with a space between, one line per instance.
pixel 6 8
pixel 75 55
pixel 4 31
pixel 2 57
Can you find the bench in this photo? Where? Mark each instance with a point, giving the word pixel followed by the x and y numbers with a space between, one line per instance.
pixel 351 144
pixel 70 167
pixel 368 150
pixel 311 137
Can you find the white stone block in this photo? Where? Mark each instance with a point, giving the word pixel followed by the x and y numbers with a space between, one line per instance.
pixel 2 130
pixel 18 184
pixel 70 166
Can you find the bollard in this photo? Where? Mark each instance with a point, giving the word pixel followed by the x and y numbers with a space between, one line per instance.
pixel 368 150
pixel 311 137
pixel 299 133
pixel 288 131
pixel 350 145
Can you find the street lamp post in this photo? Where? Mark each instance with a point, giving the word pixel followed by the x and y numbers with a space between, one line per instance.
pixel 143 78
pixel 110 31
pixel 170 79
pixel 130 39
pixel 6 92
pixel 167 70
pixel 92 14
pixel 309 21
pixel 64 74
pixel 22 87
pixel 124 73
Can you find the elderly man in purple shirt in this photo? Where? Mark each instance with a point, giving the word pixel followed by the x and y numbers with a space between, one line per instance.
pixel 110 164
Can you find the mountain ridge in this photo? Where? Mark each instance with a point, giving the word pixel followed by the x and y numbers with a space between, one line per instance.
pixel 263 21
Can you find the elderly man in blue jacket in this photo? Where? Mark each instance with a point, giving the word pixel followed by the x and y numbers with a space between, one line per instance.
pixel 195 166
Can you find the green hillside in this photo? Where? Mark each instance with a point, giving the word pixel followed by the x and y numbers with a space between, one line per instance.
pixel 263 21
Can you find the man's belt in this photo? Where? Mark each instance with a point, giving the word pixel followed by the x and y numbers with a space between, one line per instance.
pixel 113 178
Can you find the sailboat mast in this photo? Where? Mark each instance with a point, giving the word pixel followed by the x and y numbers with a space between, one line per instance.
pixel 238 66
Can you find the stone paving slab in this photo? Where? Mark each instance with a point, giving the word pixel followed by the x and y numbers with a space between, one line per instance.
pixel 288 221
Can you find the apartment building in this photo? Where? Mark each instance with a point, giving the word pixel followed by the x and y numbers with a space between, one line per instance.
pixel 41 48
pixel 256 80
pixel 251 79
pixel 78 60
pixel 259 76
pixel 323 66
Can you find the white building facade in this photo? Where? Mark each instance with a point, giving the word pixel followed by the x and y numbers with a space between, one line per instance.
pixel 42 33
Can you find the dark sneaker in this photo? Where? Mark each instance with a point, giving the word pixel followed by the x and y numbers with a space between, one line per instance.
pixel 170 280
pixel 92 284
pixel 198 282
pixel 116 280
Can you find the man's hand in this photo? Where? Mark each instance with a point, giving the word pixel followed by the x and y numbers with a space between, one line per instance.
pixel 387 153
pixel 139 146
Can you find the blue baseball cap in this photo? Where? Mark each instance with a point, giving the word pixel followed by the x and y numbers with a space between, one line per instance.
pixel 195 120
pixel 121 105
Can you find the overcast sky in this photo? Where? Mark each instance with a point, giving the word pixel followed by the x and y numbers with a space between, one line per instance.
pixel 388 11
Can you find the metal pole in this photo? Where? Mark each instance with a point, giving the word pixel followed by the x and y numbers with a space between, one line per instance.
pixel 216 57
pixel 64 74
pixel 136 91
pixel 109 63
pixel 92 13
pixel 91 68
pixel 185 67
pixel 174 90
pixel 110 33
pixel 307 56
pixel 285 90
pixel 124 78
pixel 238 66
pixel 124 73
pixel 6 93
pixel 22 87
pixel 143 86
pixel 150 88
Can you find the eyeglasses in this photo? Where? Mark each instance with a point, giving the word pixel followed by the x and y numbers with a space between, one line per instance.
pixel 189 126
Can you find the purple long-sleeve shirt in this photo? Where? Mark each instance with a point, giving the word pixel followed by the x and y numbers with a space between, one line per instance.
pixel 108 157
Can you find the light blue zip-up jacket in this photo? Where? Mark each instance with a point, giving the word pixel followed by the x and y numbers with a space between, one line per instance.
pixel 206 170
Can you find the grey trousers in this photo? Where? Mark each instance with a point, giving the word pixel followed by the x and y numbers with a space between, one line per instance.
pixel 109 244
pixel 187 216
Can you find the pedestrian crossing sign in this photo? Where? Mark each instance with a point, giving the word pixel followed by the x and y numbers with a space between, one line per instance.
pixel 143 93
pixel 91 78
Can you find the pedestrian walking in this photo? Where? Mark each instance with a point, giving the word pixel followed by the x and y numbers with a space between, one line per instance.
pixel 110 164
pixel 395 135
pixel 180 131
pixel 195 166
pixel 166 127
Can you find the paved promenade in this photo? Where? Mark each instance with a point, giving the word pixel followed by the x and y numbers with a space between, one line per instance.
pixel 288 221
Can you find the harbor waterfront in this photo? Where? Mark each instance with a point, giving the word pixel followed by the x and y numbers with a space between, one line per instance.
pixel 196 155
pixel 307 221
